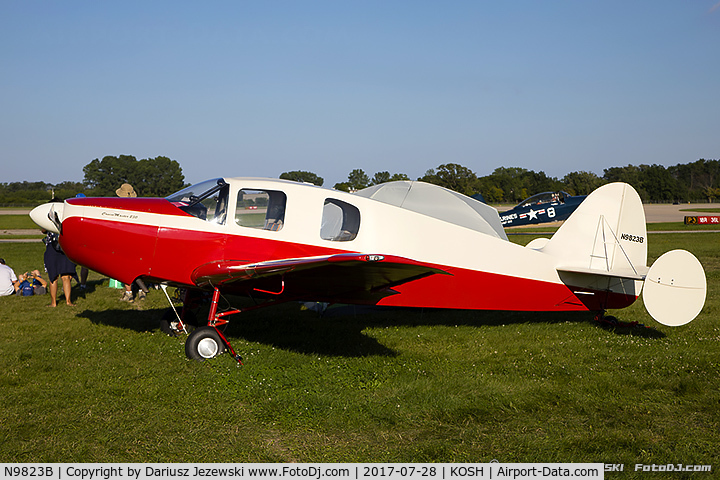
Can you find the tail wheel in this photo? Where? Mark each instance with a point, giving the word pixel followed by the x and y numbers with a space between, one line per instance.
pixel 203 344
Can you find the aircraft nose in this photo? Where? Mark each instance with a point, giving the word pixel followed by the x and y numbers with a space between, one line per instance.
pixel 48 216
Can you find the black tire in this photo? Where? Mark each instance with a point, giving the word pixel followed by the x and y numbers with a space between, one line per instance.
pixel 204 344
pixel 169 322
pixel 611 319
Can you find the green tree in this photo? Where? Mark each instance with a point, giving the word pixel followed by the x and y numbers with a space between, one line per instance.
pixel 430 177
pixel 104 176
pixel 158 177
pixel 399 177
pixel 454 177
pixel 516 184
pixel 630 174
pixel 155 177
pixel 302 176
pixel 25 193
pixel 659 184
pixel 510 180
pixel 384 177
pixel 581 183
pixel 537 182
pixel 695 178
pixel 357 180
pixel 34 193
pixel 654 183
pixel 65 190
pixel 380 177
pixel 711 193
pixel 493 194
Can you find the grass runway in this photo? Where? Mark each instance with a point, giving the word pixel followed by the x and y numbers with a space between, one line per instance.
pixel 99 382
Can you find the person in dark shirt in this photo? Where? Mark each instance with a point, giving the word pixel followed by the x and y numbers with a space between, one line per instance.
pixel 58 266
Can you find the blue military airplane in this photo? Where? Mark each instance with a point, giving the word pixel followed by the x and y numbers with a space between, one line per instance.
pixel 541 208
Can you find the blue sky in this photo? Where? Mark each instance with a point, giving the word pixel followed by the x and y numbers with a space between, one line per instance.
pixel 240 88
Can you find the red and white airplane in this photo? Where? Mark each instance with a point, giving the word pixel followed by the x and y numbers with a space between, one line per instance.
pixel 409 244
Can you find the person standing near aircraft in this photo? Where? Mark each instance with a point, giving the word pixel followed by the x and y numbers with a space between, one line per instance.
pixel 127 191
pixel 83 270
pixel 8 280
pixel 58 266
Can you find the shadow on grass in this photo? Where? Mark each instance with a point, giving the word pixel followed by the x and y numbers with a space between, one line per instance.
pixel 637 330
pixel 449 317
pixel 282 326
pixel 289 328
pixel 477 318
pixel 136 320
pixel 339 330
pixel 90 287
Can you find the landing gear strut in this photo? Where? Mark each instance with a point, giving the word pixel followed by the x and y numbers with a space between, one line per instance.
pixel 209 342
pixel 174 320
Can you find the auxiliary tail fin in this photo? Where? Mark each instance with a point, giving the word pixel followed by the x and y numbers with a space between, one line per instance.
pixel 606 237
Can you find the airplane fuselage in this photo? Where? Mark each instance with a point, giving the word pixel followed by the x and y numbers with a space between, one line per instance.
pixel 155 239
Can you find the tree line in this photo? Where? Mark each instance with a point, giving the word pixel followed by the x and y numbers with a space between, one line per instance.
pixel 150 177
pixel 698 181
pixel 693 182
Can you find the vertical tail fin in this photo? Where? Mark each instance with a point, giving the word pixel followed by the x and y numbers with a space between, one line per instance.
pixel 606 234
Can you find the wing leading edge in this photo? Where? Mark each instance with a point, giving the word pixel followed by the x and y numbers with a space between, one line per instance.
pixel 341 277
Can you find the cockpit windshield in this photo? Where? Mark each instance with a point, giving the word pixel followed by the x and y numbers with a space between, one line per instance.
pixel 186 194
pixel 545 197
pixel 206 200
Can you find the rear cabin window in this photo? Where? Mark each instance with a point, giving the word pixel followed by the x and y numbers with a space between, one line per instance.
pixel 340 221
pixel 261 209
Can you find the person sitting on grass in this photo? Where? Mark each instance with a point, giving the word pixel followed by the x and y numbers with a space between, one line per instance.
pixel 31 283
pixel 8 280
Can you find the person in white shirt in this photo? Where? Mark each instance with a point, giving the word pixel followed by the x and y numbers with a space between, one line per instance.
pixel 8 280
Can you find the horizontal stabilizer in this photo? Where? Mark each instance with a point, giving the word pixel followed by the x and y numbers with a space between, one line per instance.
pixel 638 273
pixel 675 288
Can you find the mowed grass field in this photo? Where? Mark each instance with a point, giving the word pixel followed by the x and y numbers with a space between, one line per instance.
pixel 99 382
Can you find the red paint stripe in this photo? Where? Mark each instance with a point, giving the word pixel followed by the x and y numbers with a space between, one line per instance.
pixel 470 289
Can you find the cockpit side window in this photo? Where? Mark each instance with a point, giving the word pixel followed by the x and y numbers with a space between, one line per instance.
pixel 340 221
pixel 261 209
pixel 207 201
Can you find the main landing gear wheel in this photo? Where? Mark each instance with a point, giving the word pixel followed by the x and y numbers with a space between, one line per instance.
pixel 203 344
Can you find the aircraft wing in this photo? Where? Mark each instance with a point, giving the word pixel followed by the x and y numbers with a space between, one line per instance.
pixel 348 276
